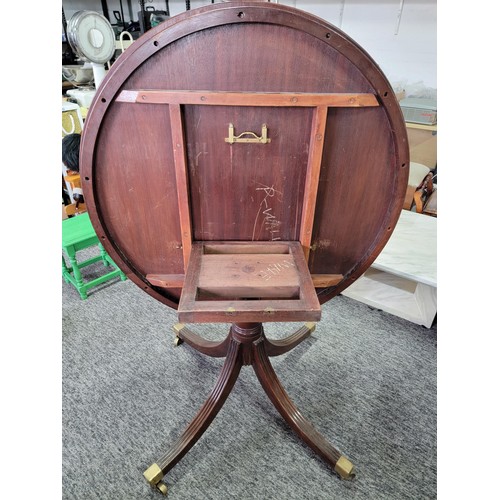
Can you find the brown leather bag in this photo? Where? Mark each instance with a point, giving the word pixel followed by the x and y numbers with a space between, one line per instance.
pixel 425 196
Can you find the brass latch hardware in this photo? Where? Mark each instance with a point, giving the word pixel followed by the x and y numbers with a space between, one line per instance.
pixel 254 139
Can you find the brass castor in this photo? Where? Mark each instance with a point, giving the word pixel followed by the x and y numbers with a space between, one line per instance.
pixel 163 488
pixel 178 341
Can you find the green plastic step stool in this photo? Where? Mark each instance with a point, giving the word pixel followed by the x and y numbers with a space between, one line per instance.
pixel 77 234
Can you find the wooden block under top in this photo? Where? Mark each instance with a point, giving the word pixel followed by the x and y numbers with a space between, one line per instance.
pixel 241 276
pixel 247 282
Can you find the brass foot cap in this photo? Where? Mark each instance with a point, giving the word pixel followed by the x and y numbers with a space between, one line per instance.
pixel 178 327
pixel 344 468
pixel 311 326
pixel 153 475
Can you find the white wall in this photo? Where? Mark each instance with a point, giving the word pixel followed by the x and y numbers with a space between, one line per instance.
pixel 400 35
pixel 403 46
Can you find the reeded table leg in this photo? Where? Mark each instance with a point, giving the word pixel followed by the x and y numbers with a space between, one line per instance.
pixel 302 427
pixel 278 347
pixel 208 347
pixel 201 422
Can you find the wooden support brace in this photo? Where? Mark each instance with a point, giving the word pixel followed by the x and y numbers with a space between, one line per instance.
pixel 280 99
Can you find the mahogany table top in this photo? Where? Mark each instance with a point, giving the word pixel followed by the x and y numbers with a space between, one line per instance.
pixel 328 165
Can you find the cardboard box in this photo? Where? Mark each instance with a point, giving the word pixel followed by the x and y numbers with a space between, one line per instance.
pixel 422 141
pixel 419 110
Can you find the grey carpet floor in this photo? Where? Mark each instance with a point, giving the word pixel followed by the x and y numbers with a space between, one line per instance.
pixel 365 379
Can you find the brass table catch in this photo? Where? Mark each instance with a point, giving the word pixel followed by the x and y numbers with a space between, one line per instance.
pixel 255 139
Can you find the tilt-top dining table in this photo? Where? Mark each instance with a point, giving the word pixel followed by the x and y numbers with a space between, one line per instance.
pixel 244 163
